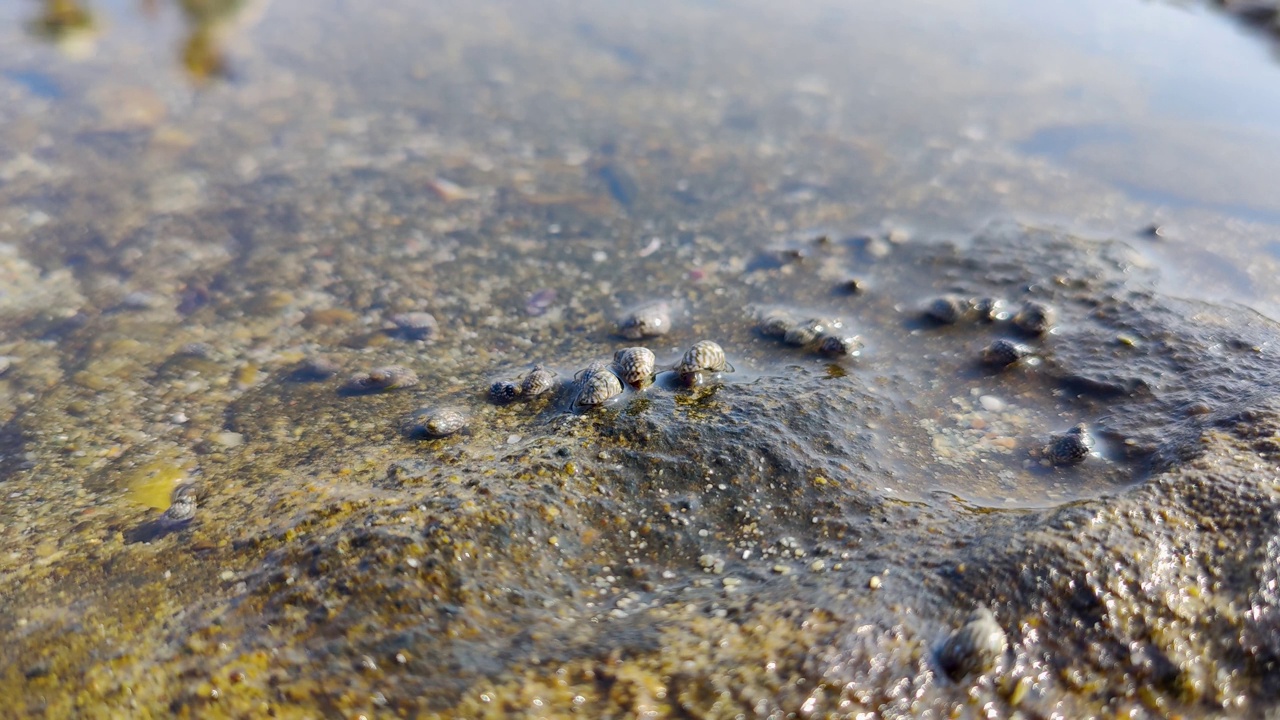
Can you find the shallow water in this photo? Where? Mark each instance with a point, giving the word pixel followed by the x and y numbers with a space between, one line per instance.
pixel 194 198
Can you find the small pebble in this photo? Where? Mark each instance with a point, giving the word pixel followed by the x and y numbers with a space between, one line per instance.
pixel 200 350
pixel 875 583
pixel 973 648
pixel 227 439
pixel 1002 353
pixel 647 320
pixel 854 286
pixel 1034 318
pixel 539 302
pixel 634 365
pixel 412 325
pixel 391 377
pixel 139 300
pixel 991 403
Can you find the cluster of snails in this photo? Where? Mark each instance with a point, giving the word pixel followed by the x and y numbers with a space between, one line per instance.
pixel 634 367
pixel 1032 320
pixel 826 336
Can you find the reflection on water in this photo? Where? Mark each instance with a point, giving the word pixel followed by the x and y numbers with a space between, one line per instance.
pixel 69 23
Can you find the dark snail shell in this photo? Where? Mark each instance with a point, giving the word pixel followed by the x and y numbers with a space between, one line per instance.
pixel 504 391
pixel 973 648
pixel 1034 318
pixel 1003 352
pixel 840 345
pixel 1070 447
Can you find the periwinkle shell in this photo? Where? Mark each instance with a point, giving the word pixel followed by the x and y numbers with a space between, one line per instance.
pixel 596 385
pixel 975 647
pixel 634 365
pixel 648 320
pixel 539 381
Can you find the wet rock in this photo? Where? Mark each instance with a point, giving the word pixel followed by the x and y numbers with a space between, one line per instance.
pixel 1002 353
pixel 648 320
pixel 412 325
pixel 974 648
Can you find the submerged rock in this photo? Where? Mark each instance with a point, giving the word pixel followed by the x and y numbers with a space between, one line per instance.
pixel 565 557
